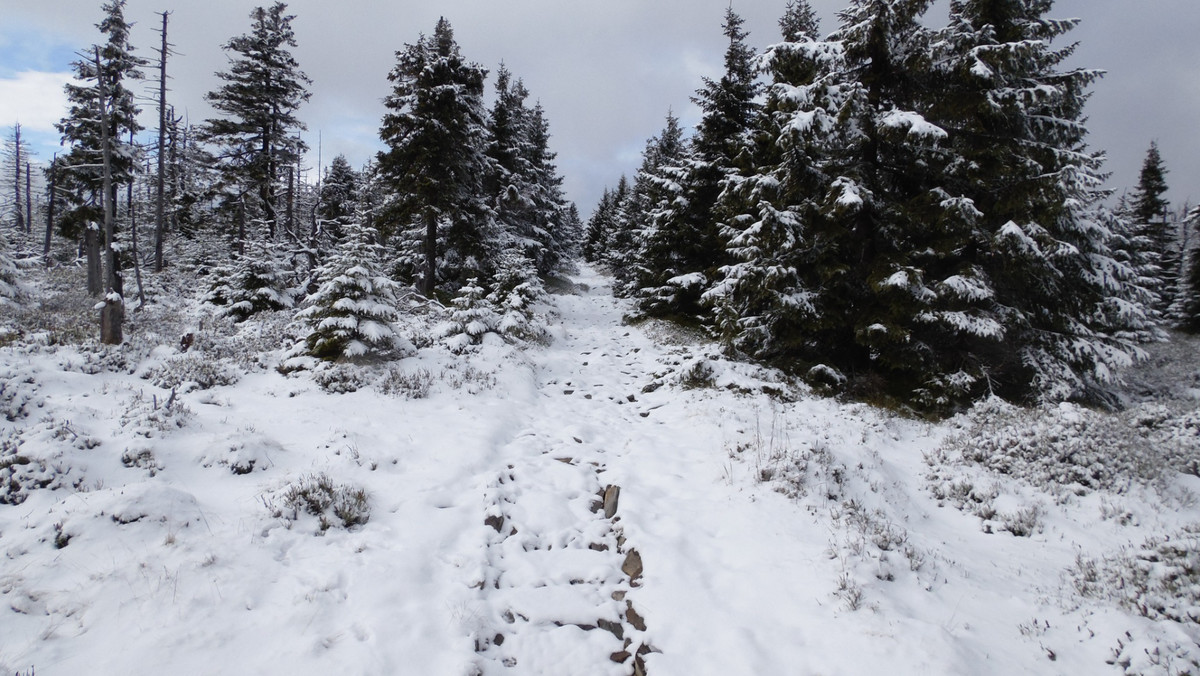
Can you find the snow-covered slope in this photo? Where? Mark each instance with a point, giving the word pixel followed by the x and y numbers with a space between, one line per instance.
pixel 621 501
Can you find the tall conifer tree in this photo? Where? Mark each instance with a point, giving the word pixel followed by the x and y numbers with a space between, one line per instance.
pixel 81 175
pixel 256 137
pixel 435 162
pixel 689 235
pixel 1150 212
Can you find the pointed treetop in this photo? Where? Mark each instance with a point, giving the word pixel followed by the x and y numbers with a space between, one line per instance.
pixel 799 22
pixel 1148 203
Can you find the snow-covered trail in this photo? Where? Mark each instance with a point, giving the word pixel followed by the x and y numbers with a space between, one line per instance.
pixel 573 509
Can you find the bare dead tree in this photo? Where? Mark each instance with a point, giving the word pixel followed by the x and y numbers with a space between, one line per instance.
pixel 17 180
pixel 160 222
pixel 50 209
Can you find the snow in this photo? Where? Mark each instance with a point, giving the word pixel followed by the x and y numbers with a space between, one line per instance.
pixel 913 123
pixel 779 532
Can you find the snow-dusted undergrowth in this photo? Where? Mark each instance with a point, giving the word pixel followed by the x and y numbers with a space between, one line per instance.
pixel 622 498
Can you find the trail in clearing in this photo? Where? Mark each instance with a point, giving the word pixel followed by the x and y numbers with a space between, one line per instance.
pixel 572 509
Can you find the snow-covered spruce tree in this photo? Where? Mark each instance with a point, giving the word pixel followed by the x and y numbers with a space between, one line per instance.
pixel 258 280
pixel 657 189
pixel 799 22
pixel 599 225
pixel 763 309
pixel 572 232
pixel 473 316
pixel 338 203
pixel 519 291
pixel 687 249
pixel 353 310
pixel 621 244
pixel 80 174
pixel 435 162
pixel 1070 312
pixel 256 136
pixel 880 275
pixel 527 189
pixel 610 239
pixel 1189 316
pixel 1150 213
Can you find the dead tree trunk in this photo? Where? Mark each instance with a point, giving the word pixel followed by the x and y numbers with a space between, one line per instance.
pixel 50 209
pixel 17 178
pixel 160 222
pixel 137 261
pixel 28 201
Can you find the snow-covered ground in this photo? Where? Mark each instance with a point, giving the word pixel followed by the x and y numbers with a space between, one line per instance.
pixel 621 501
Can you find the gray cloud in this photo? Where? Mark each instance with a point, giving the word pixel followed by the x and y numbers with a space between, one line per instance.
pixel 608 72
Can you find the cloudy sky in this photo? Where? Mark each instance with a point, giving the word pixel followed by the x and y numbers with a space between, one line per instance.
pixel 606 72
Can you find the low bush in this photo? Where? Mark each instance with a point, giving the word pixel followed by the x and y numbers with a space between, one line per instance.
pixel 333 504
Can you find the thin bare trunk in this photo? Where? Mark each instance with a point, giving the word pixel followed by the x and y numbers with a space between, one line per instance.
pixel 50 209
pixel 17 180
pixel 28 201
pixel 160 222
pixel 137 261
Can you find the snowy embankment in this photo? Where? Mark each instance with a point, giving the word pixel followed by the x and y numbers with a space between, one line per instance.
pixel 621 501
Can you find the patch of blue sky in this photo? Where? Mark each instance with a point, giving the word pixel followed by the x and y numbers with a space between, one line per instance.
pixel 25 48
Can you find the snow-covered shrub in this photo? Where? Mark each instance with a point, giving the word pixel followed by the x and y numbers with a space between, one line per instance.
pixel 12 292
pixel 99 358
pixel 1160 579
pixel 191 371
pixel 472 317
pixel 1067 447
pixel 399 382
pixel 251 346
pixel 142 458
pixel 352 312
pixel 340 378
pixel 17 391
pixel 152 416
pixel 699 376
pixel 1154 656
pixel 333 504
pixel 466 376
pixel 21 474
pixel 257 281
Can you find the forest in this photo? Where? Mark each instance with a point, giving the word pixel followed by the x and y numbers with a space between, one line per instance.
pixel 900 213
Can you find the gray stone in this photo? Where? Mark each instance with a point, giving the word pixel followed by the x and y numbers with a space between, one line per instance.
pixel 633 565
pixel 611 495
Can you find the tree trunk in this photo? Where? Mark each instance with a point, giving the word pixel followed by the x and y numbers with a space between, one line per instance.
pixel 430 282
pixel 137 263
pixel 17 180
pixel 28 201
pixel 160 223
pixel 291 204
pixel 266 189
pixel 113 313
pixel 50 209
pixel 91 250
